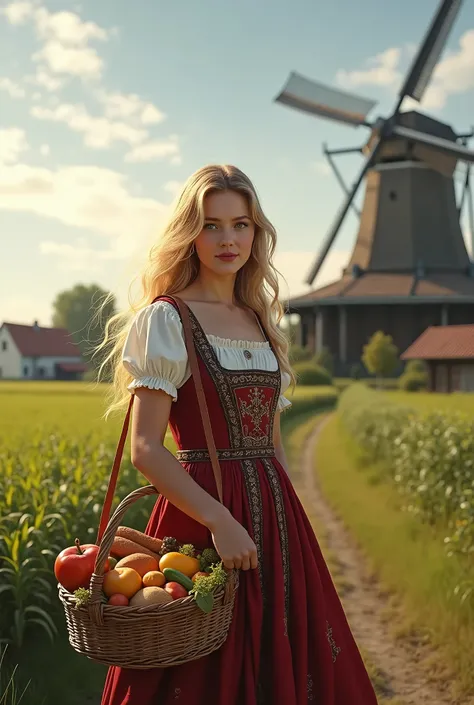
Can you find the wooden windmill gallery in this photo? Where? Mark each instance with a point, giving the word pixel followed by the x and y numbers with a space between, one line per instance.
pixel 409 268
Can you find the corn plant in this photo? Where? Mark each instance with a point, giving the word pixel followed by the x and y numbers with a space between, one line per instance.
pixel 430 457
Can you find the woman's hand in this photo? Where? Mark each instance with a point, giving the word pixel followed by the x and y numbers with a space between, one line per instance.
pixel 233 544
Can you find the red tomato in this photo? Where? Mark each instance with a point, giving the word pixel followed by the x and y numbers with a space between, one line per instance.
pixel 74 565
pixel 176 590
pixel 118 600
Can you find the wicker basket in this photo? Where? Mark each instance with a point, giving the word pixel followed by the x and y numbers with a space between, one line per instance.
pixel 155 636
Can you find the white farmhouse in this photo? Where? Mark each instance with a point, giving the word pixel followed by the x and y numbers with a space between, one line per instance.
pixel 34 352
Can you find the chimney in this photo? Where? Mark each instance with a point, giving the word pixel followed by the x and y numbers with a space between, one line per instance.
pixel 35 326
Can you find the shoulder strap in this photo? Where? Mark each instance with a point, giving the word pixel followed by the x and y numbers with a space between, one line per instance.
pixel 194 365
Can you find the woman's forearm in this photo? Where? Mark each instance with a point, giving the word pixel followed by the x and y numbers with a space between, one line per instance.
pixel 169 477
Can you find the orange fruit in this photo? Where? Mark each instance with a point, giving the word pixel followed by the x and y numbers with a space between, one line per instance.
pixel 139 562
pixel 178 561
pixel 154 577
pixel 124 581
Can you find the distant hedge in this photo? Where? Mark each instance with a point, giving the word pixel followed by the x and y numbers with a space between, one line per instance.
pixel 311 374
pixel 430 457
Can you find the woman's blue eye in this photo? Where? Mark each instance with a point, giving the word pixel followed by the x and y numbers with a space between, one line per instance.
pixel 209 225
pixel 245 225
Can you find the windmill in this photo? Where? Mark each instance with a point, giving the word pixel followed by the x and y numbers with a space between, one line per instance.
pixel 409 159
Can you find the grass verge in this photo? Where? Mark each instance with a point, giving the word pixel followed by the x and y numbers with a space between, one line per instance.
pixel 418 578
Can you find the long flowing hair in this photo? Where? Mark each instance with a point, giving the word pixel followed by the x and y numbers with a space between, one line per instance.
pixel 173 265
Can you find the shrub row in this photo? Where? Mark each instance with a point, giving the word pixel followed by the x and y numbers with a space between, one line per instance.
pixel 430 457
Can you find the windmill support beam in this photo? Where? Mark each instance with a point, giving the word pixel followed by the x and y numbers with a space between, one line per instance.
pixel 342 334
pixel 319 331
pixel 444 315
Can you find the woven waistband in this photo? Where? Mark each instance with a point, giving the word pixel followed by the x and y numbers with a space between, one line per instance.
pixel 197 455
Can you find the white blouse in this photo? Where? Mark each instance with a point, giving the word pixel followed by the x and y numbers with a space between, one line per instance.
pixel 155 353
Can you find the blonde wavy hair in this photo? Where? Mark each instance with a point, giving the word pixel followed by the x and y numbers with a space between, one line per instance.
pixel 173 265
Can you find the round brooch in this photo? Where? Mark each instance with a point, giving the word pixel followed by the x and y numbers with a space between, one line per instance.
pixel 247 354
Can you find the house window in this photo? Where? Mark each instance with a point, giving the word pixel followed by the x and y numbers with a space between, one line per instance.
pixel 1 372
pixel 4 345
pixel 41 371
pixel 25 372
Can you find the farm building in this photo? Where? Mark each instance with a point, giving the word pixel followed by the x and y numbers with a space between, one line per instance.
pixel 448 352
pixel 35 352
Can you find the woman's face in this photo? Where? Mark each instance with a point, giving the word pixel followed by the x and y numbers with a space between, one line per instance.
pixel 225 242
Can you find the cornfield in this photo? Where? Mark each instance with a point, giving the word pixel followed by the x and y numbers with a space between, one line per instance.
pixel 429 455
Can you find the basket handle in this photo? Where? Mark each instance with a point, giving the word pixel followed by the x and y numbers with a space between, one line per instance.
pixel 194 365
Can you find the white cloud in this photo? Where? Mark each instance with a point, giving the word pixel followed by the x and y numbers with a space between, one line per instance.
pixel 155 149
pixel 18 12
pixel 381 70
pixel 76 61
pixel 67 28
pixel 130 106
pixel 12 144
pixel 454 74
pixel 13 89
pixel 44 79
pixel 45 150
pixel 90 197
pixel 79 256
pixel 66 39
pixel 99 132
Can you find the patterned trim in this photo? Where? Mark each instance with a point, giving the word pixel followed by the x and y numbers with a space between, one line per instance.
pixel 309 688
pixel 197 455
pixel 228 381
pixel 275 485
pixel 335 650
pixel 254 493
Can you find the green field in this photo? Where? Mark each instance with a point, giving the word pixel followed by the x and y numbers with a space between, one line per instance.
pixel 427 401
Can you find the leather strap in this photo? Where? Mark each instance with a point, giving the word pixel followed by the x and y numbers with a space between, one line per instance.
pixel 206 422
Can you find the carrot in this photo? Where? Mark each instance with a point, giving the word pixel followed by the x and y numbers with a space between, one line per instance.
pixel 142 539
pixel 124 547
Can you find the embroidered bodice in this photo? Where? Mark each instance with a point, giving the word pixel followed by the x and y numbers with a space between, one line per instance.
pixel 155 353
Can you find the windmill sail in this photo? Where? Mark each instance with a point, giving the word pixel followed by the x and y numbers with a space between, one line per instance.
pixel 430 50
pixel 317 99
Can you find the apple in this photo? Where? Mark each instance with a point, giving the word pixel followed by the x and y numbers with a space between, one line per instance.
pixel 176 590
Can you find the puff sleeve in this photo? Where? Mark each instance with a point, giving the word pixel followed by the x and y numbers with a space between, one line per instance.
pixel 155 352
pixel 283 402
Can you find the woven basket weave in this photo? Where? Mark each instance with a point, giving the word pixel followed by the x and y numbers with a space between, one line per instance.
pixel 156 636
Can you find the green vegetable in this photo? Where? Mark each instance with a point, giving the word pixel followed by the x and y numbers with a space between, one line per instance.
pixel 176 576
pixel 205 602
pixel 82 596
pixel 208 558
pixel 206 585
pixel 188 549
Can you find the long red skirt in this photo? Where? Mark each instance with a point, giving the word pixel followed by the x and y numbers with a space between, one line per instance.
pixel 289 642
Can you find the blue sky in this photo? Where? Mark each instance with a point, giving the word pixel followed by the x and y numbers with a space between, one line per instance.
pixel 106 107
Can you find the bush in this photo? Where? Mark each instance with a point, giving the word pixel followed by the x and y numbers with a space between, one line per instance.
pixel 299 354
pixel 325 359
pixel 416 367
pixel 308 373
pixel 413 381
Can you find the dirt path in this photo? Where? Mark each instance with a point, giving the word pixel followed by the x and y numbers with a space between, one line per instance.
pixel 401 677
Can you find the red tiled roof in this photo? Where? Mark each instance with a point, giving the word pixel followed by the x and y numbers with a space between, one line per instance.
pixel 44 342
pixel 443 343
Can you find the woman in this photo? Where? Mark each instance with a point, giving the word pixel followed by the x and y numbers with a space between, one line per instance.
pixel 289 641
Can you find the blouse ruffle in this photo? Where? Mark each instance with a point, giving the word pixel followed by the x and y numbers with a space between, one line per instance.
pixel 155 353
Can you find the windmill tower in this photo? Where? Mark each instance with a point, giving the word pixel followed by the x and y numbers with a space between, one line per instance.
pixel 409 267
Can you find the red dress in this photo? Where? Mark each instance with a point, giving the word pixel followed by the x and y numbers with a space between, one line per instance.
pixel 289 641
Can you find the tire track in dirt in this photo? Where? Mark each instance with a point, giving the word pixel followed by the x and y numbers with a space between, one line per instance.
pixel 400 676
